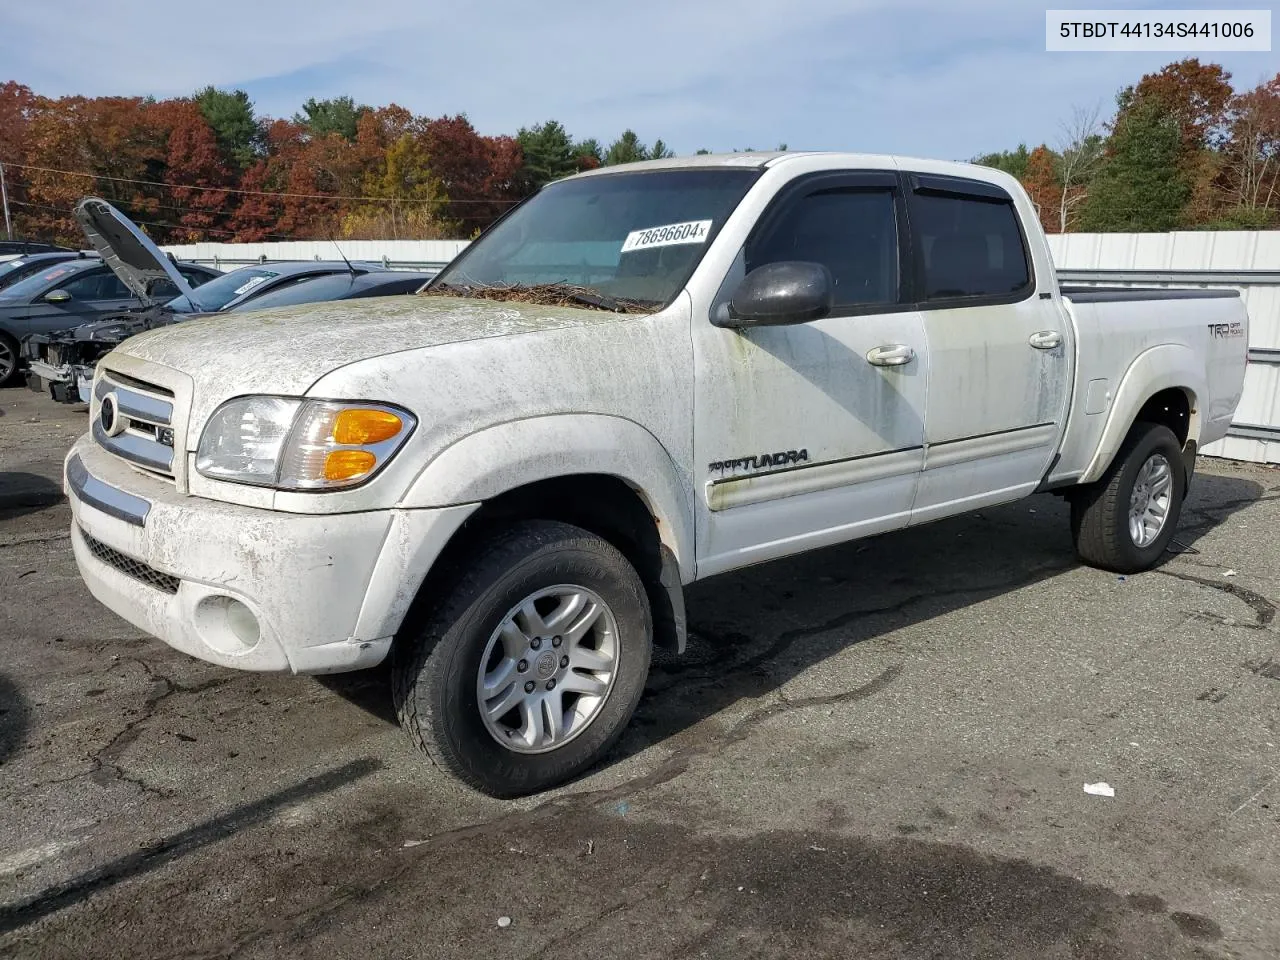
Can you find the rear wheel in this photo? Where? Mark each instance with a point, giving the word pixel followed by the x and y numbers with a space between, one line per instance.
pixel 531 664
pixel 8 360
pixel 1125 521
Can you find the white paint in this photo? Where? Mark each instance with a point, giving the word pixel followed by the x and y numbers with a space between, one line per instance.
pixel 506 394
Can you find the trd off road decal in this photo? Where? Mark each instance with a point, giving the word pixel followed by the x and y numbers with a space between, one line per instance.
pixel 1222 331
pixel 763 461
pixel 694 231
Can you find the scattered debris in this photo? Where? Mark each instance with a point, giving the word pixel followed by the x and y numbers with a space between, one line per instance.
pixel 1100 789
pixel 504 921
pixel 814 846
pixel 1228 573
pixel 414 843
pixel 1122 579
pixel 591 847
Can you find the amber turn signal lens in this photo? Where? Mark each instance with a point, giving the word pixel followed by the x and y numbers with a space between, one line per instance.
pixel 360 426
pixel 346 464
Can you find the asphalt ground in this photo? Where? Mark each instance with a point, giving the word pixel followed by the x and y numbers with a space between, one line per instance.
pixel 874 750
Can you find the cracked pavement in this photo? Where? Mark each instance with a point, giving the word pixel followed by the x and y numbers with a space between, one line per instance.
pixel 875 750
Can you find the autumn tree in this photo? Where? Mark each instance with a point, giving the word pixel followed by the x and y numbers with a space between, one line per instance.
pixel 1040 178
pixel 17 104
pixel 1251 159
pixel 194 172
pixel 1195 96
pixel 480 177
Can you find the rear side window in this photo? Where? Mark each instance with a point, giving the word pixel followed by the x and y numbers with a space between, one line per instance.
pixel 971 246
pixel 853 231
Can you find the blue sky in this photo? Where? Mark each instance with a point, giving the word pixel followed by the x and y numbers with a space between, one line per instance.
pixel 946 80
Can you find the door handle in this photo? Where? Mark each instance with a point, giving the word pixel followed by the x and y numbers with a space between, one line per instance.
pixel 1045 339
pixel 890 355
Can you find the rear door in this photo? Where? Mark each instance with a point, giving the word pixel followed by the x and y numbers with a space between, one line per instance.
pixel 999 350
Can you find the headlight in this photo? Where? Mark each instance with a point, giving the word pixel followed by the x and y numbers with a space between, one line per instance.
pixel 300 444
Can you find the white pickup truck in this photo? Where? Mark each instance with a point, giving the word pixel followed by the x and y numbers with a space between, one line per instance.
pixel 642 376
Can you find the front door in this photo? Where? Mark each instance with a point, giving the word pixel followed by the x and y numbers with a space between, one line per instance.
pixel 812 433
pixel 999 348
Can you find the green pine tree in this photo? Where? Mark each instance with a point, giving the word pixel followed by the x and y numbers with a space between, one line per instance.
pixel 1140 187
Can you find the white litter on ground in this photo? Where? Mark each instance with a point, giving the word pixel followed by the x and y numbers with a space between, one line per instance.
pixel 1100 789
pixel 1228 573
pixel 504 921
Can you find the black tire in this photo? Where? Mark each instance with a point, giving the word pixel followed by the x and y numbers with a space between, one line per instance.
pixel 9 349
pixel 436 661
pixel 1100 513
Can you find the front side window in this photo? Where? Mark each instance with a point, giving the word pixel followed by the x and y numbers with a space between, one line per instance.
pixel 96 285
pixel 853 232
pixel 625 236
pixel 971 246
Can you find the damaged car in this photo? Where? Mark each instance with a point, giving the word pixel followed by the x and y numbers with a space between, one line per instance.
pixel 61 363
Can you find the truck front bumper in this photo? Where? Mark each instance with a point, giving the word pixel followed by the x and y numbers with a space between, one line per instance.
pixel 248 588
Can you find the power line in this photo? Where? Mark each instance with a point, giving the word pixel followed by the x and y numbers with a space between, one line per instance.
pixel 149 223
pixel 237 190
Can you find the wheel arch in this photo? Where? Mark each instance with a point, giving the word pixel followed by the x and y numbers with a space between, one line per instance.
pixel 1162 385
pixel 605 474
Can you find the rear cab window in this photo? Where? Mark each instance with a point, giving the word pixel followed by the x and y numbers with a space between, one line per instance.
pixel 969 245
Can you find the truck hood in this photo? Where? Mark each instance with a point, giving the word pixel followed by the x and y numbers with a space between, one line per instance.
pixel 286 350
pixel 125 249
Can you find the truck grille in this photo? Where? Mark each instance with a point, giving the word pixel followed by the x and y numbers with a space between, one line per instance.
pixel 134 420
pixel 129 566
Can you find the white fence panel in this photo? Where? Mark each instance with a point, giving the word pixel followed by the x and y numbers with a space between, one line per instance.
pixel 404 254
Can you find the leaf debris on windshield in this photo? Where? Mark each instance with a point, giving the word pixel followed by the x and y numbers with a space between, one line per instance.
pixel 546 295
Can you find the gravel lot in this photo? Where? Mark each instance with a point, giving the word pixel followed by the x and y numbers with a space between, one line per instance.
pixel 877 750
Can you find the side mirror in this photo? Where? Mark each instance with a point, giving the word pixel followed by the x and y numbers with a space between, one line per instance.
pixel 791 291
pixel 57 296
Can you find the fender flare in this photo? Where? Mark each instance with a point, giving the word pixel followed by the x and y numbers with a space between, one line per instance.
pixel 1163 367
pixel 506 456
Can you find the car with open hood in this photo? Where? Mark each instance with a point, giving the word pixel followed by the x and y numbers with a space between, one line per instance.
pixel 61 362
pixel 78 290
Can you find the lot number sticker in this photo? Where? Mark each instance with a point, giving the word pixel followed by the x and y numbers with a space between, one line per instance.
pixel 694 231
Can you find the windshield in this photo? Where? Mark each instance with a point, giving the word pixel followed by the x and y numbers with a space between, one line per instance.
pixel 630 236
pixel 220 291
pixel 31 286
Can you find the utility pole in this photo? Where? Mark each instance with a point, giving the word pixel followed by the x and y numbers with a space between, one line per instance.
pixel 4 201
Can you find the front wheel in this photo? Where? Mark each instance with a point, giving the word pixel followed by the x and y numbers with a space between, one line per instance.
pixel 10 357
pixel 1125 521
pixel 531 664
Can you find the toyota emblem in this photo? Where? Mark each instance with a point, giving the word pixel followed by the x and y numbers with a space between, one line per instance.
pixel 109 416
